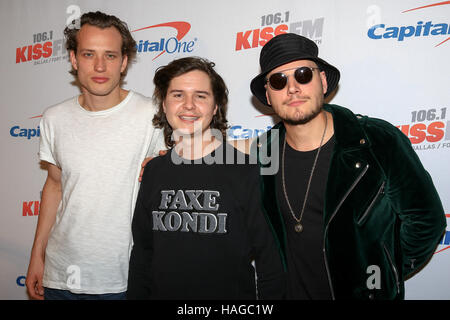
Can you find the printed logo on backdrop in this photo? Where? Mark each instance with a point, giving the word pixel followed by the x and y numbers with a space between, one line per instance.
pixel 25 131
pixel 41 48
pixel 238 131
pixel 444 244
pixel 428 129
pixel 31 208
pixel 423 28
pixel 47 46
pixel 20 281
pixel 156 45
pixel 273 24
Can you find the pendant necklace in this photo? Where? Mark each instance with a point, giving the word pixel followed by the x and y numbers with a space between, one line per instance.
pixel 298 226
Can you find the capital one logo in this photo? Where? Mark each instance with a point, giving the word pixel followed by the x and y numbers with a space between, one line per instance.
pixel 167 45
pixel 444 244
pixel 421 28
pixel 18 131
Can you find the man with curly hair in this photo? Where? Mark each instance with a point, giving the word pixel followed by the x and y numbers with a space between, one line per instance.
pixel 93 145
pixel 198 224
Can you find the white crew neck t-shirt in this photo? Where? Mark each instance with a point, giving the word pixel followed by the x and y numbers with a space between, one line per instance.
pixel 99 154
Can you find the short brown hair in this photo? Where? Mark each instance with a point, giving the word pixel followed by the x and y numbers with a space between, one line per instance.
pixel 176 68
pixel 102 20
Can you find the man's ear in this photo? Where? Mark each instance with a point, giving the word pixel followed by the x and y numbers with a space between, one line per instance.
pixel 124 63
pixel 73 60
pixel 323 78
pixel 267 96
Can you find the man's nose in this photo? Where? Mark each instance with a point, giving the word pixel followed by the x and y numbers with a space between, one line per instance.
pixel 100 64
pixel 189 102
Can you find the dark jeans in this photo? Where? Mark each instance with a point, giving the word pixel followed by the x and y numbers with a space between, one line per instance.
pixel 56 294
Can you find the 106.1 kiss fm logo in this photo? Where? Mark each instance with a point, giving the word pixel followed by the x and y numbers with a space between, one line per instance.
pixel 428 129
pixel 44 48
pixel 31 208
pixel 273 24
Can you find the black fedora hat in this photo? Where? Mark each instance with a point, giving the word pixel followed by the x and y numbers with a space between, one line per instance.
pixel 286 48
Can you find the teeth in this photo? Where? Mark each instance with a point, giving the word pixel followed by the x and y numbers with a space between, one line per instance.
pixel 189 118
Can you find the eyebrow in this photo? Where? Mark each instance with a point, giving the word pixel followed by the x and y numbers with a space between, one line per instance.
pixel 92 50
pixel 196 91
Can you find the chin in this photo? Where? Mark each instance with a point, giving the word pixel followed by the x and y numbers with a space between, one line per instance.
pixel 300 119
pixel 99 93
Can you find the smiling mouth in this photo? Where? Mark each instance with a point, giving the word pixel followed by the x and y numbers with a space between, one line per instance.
pixel 189 118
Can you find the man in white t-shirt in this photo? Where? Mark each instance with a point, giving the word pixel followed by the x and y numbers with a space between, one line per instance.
pixel 93 145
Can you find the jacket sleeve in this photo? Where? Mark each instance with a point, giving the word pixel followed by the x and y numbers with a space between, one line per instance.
pixel 267 255
pixel 417 204
pixel 140 260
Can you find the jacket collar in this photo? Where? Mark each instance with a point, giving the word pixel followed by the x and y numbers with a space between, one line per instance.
pixel 348 131
pixel 347 128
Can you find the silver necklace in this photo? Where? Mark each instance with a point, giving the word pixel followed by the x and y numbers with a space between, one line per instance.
pixel 298 226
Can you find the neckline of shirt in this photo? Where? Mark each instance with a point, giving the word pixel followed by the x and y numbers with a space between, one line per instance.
pixel 113 109
pixel 291 152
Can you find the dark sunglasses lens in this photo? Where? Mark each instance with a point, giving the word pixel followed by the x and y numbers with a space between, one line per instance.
pixel 277 81
pixel 303 75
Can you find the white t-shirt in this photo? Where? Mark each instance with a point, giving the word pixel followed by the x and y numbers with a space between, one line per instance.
pixel 99 154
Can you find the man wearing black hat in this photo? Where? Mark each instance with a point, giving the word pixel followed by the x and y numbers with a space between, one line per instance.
pixel 354 210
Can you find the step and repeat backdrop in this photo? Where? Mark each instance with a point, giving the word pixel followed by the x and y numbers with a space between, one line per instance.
pixel 393 57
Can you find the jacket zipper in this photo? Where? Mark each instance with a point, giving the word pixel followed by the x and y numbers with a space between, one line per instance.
pixel 394 269
pixel 331 218
pixel 380 191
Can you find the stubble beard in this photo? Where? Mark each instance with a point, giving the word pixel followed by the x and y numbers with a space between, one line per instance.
pixel 301 119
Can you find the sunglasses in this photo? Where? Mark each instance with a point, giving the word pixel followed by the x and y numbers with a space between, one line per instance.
pixel 302 75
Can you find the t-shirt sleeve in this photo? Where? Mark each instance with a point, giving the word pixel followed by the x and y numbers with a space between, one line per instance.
pixel 46 142
pixel 156 143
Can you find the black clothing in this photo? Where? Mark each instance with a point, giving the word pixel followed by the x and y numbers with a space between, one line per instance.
pixel 196 229
pixel 306 278
pixel 381 208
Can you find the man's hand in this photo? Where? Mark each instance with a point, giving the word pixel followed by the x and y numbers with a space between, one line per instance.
pixel 146 160
pixel 242 145
pixel 51 198
pixel 34 279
